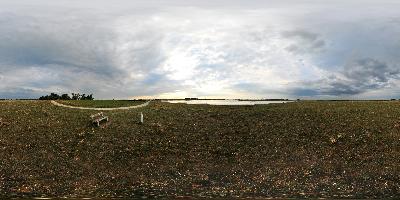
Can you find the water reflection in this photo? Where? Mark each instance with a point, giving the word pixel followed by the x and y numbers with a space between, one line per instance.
pixel 225 102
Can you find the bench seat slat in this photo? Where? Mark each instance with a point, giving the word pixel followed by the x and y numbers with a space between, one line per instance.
pixel 97 118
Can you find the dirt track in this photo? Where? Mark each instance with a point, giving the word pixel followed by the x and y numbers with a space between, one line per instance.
pixel 108 109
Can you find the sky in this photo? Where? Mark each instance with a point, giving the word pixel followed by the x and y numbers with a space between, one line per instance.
pixel 124 49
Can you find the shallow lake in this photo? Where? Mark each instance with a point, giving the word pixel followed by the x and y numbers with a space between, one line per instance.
pixel 225 102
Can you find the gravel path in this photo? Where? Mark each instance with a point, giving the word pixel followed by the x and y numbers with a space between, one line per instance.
pixel 86 108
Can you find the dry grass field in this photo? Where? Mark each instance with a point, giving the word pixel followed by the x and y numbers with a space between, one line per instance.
pixel 294 150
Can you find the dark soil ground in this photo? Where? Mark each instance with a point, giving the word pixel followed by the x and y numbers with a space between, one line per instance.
pixel 294 150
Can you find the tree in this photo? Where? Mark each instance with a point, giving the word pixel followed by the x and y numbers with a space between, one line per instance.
pixel 90 97
pixel 52 96
pixel 75 96
pixel 65 97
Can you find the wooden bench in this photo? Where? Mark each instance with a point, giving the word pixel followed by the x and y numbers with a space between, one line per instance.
pixel 99 117
pixel 3 122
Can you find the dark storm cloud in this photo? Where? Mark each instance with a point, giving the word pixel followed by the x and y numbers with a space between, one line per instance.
pixel 357 77
pixel 304 42
pixel 370 71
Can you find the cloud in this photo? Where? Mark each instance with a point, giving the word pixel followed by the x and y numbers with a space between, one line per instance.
pixel 86 55
pixel 207 49
pixel 304 42
pixel 357 77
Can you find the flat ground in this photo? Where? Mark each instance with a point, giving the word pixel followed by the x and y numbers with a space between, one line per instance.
pixel 102 103
pixel 301 149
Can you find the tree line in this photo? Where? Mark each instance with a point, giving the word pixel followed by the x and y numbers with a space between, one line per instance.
pixel 75 96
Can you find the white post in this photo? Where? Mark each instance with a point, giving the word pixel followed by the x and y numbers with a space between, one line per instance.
pixel 141 117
